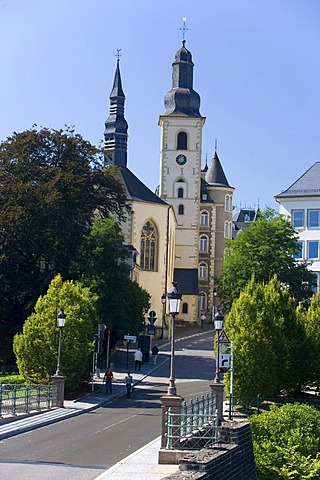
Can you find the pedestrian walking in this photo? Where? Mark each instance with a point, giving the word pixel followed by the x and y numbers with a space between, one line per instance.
pixel 128 380
pixel 107 379
pixel 138 359
pixel 154 351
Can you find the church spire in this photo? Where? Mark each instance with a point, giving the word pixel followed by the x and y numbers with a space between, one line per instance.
pixel 215 174
pixel 182 100
pixel 116 127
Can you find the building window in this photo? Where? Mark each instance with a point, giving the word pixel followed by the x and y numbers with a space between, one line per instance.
pixel 227 229
pixel 315 287
pixel 228 203
pixel 203 271
pixel 203 244
pixel 313 249
pixel 149 246
pixel 180 192
pixel 182 143
pixel 313 218
pixel 203 302
pixel 204 196
pixel 204 218
pixel 297 217
pixel 181 210
pixel 184 308
pixel 299 254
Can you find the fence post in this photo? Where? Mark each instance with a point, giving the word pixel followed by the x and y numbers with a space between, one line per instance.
pixel 58 384
pixel 218 390
pixel 175 402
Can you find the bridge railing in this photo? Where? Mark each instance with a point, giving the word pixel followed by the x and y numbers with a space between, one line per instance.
pixel 15 398
pixel 195 426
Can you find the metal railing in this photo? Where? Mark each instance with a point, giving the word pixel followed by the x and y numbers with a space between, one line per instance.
pixel 15 398
pixel 238 408
pixel 194 426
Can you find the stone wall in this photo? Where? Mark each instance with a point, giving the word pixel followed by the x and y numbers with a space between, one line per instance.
pixel 230 459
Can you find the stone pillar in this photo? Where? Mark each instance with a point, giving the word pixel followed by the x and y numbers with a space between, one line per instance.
pixel 175 402
pixel 218 390
pixel 58 385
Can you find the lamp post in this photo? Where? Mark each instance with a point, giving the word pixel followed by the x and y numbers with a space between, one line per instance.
pixel 215 294
pixel 174 307
pixel 163 301
pixel 218 326
pixel 61 317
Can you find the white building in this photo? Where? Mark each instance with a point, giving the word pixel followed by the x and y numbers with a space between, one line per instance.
pixel 301 202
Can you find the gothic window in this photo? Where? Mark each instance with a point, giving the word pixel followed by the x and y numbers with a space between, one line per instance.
pixel 203 271
pixel 184 308
pixel 180 192
pixel 181 210
pixel 182 143
pixel 204 218
pixel 149 246
pixel 203 244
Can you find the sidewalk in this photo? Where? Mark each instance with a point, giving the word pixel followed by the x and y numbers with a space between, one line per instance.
pixel 142 464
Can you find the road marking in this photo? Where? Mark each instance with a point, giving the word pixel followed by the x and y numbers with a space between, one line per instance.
pixel 117 423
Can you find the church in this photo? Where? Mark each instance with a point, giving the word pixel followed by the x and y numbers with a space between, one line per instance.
pixel 179 232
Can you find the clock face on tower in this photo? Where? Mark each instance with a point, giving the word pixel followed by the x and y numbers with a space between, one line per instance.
pixel 181 159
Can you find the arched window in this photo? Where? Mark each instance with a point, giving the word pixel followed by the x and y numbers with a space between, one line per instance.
pixel 227 229
pixel 184 308
pixel 203 271
pixel 180 192
pixel 181 210
pixel 203 244
pixel 203 302
pixel 204 218
pixel 228 203
pixel 182 141
pixel 149 246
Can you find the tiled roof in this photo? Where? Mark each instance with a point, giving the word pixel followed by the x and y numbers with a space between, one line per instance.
pixel 307 185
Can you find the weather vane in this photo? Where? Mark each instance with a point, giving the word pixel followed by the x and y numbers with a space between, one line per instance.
pixel 183 29
pixel 118 55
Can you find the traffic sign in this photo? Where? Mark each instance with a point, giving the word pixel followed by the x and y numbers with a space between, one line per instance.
pixel 133 338
pixel 224 360
pixel 151 330
pixel 223 337
pixel 152 316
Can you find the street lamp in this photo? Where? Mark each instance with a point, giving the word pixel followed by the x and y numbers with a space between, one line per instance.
pixel 61 317
pixel 218 326
pixel 174 306
pixel 163 301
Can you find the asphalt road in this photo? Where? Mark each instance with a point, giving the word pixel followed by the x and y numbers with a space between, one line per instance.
pixel 84 446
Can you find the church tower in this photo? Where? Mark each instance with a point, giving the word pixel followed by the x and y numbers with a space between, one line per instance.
pixel 116 127
pixel 180 173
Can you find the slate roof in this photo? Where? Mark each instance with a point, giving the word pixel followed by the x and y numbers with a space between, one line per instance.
pixel 308 185
pixel 215 174
pixel 182 99
pixel 138 190
pixel 187 279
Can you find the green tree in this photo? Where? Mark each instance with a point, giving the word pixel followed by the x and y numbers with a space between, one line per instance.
pixel 286 443
pixel 102 265
pixel 264 249
pixel 310 318
pixel 268 341
pixel 51 183
pixel 36 348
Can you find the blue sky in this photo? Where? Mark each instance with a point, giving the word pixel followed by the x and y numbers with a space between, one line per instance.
pixel 257 70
